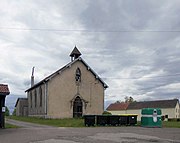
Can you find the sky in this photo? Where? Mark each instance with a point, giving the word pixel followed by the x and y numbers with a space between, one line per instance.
pixel 134 46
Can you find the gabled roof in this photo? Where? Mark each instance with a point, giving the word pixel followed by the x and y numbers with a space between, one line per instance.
pixel 154 104
pixel 64 68
pixel 75 52
pixel 19 99
pixel 140 105
pixel 4 90
pixel 117 106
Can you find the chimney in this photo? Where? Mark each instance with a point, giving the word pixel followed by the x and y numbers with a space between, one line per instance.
pixel 32 77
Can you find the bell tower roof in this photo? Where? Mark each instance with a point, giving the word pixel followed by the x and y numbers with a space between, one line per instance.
pixel 75 53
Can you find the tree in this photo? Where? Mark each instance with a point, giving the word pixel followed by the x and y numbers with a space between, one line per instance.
pixel 7 111
pixel 129 99
pixel 118 102
pixel 14 112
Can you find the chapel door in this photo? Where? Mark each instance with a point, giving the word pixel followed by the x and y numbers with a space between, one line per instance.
pixel 77 107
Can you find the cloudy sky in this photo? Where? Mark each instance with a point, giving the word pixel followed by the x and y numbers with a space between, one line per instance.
pixel 134 46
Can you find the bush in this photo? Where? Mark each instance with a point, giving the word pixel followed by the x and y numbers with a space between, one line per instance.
pixel 7 111
pixel 106 113
pixel 174 119
pixel 162 118
pixel 14 112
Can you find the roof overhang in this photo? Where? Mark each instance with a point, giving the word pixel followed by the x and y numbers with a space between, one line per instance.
pixel 64 68
pixel 4 90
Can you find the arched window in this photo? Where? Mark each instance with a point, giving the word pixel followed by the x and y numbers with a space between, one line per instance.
pixel 78 75
pixel 31 99
pixel 40 96
pixel 35 98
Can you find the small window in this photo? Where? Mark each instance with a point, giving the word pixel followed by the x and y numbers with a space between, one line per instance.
pixel 35 98
pixel 30 99
pixel 40 96
pixel 78 75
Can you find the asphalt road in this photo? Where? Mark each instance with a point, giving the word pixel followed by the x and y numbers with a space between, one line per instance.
pixel 33 133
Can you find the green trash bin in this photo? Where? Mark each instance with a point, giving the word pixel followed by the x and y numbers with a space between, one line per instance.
pixel 151 117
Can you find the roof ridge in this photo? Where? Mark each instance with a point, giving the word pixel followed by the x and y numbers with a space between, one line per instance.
pixel 3 84
pixel 157 100
pixel 64 67
pixel 154 104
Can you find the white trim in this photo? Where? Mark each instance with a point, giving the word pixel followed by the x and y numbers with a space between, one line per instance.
pixel 150 116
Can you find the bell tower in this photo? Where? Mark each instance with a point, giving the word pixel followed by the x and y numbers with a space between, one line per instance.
pixel 75 54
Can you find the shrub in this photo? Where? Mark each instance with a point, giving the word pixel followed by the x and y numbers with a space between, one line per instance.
pixel 174 119
pixel 106 113
pixel 14 112
pixel 7 111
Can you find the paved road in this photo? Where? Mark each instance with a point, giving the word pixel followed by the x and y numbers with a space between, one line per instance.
pixel 33 133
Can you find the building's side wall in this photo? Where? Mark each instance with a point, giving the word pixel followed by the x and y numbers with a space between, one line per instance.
pixel 118 112
pixel 37 102
pixel 18 109
pixel 135 111
pixel 177 110
pixel 21 108
pixel 171 112
pixel 62 89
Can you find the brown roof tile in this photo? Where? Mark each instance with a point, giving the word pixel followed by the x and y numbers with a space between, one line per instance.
pixel 154 104
pixel 117 106
pixel 4 90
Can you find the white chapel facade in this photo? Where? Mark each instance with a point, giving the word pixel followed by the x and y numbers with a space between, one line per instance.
pixel 72 91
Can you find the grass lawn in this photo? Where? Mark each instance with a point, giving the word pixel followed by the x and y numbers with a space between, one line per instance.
pixel 7 126
pixel 70 122
pixel 171 124
pixel 52 122
pixel 167 124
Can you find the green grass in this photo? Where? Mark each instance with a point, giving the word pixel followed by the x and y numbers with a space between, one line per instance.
pixel 69 122
pixel 7 126
pixel 171 124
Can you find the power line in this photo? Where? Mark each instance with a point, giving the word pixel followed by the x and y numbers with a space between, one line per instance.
pixel 87 31
pixel 134 78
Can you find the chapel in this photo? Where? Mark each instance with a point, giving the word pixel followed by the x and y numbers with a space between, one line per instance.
pixel 70 92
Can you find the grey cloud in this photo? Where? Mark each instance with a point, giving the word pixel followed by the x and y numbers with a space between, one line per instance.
pixel 113 55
